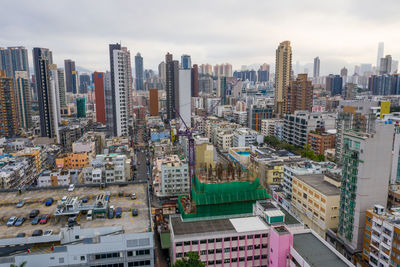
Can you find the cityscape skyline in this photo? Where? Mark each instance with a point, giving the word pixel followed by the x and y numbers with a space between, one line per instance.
pixel 226 40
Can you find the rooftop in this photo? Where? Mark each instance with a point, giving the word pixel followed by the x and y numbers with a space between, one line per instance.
pixel 317 182
pixel 315 252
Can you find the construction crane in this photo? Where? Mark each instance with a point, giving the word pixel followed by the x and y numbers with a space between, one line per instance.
pixel 188 132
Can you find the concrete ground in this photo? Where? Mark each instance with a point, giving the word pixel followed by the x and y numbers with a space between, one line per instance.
pixel 36 199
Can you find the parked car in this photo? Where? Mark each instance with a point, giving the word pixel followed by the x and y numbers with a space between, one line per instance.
pixel 48 232
pixel 134 212
pixel 44 219
pixel 133 196
pixel 20 204
pixel 36 220
pixel 20 221
pixel 21 235
pixel 111 212
pixel 12 221
pixel 34 213
pixel 71 187
pixel 118 212
pixel 85 200
pixel 120 193
pixel 37 232
pixel 49 201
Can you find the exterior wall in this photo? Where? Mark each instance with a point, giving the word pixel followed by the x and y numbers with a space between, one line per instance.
pixel 279 248
pixel 318 211
pixel 100 97
pixel 121 94
pixel 174 179
pixel 185 84
pixel 205 155
pixel 153 102
pixel 243 249
pixel 320 142
pixel 73 161
pixel 365 180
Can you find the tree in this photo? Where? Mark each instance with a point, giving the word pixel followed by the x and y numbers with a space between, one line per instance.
pixel 21 265
pixel 192 260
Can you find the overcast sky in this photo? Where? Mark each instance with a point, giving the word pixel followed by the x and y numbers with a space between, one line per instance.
pixel 246 32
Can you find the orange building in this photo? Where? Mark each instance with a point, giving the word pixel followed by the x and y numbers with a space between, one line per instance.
pixel 320 142
pixel 298 95
pixel 153 102
pixel 73 161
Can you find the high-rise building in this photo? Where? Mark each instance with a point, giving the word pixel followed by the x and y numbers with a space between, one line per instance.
pixel 380 55
pixel 99 94
pixel 365 68
pixel 256 114
pixel 395 66
pixel 119 61
pixel 185 104
pixel 186 62
pixel 45 90
pixel 344 72
pixel 74 82
pixel 139 72
pixel 55 93
pixel 108 101
pixel 129 84
pixel 80 107
pixel 8 106
pixel 283 69
pixel 263 73
pixel 385 66
pixel 161 71
pixel 172 85
pixel 365 181
pixel 298 95
pixel 14 59
pixel 195 81
pixel 316 67
pixel 61 86
pixel 69 67
pixel 153 106
pixel 334 84
pixel 84 83
pixel 23 91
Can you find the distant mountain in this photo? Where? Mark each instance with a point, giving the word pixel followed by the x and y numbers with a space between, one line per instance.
pixel 83 70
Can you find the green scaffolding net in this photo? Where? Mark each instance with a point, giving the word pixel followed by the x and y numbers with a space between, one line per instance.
pixel 224 198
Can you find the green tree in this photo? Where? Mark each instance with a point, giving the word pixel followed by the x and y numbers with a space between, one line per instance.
pixel 192 260
pixel 320 157
pixel 21 265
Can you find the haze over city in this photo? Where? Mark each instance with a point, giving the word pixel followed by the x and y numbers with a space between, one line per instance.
pixel 342 33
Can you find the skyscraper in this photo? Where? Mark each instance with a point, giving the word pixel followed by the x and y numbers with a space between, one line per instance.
pixel 61 86
pixel 386 65
pixel 119 65
pixel 69 67
pixel 380 55
pixel 283 69
pixel 55 88
pixel 186 62
pixel 74 81
pixel 172 85
pixel 344 72
pixel 184 102
pixel 84 82
pixel 8 107
pixel 195 81
pixel 334 84
pixel 99 93
pixel 23 91
pixel 14 59
pixel 108 101
pixel 298 95
pixel 129 86
pixel 48 118
pixel 316 67
pixel 139 72
pixel 153 107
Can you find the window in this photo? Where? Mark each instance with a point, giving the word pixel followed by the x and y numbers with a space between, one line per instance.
pixel 82 258
pixel 218 240
pixel 227 239
pixel 179 255
pixel 250 247
pixel 234 238
pixel 210 251
pixel 179 244
pixel 218 250
pixel 241 248
pixel 210 240
pixel 249 258
pixel 203 241
pixel 186 243
pixel 249 236
pixel 242 237
pixel 241 259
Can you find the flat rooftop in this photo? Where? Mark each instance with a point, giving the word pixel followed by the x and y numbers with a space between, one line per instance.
pixel 315 252
pixel 234 225
pixel 36 199
pixel 317 182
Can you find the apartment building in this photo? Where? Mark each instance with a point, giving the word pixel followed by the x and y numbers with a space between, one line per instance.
pixel 321 141
pixel 107 168
pixel 381 246
pixel 268 126
pixel 296 126
pixel 224 140
pixel 54 178
pixel 315 200
pixel 170 176
pixel 244 137
pixel 240 117
pixel 73 161
pixel 16 171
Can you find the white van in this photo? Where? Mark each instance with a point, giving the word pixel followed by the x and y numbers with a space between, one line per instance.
pixel 89 216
